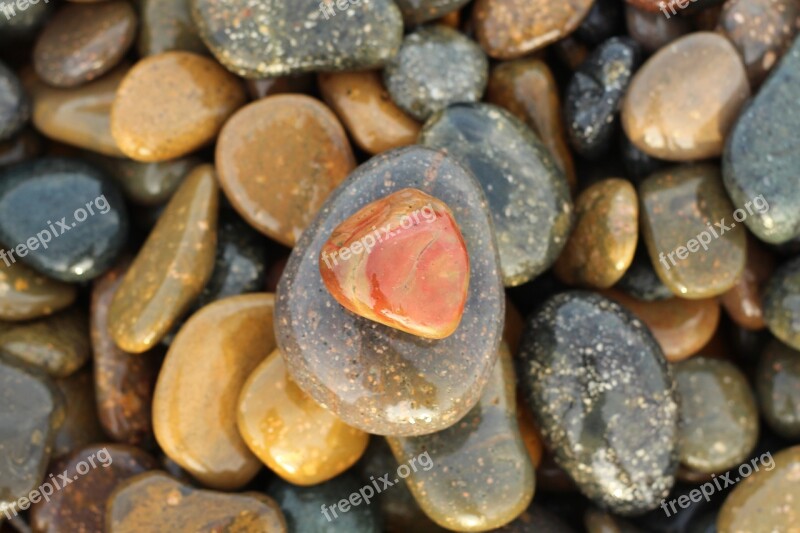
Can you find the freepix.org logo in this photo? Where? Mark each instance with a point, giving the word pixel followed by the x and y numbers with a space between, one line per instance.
pixel 10 8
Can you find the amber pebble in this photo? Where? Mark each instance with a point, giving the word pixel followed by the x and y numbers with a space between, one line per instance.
pixel 171 104
pixel 123 383
pixel 512 28
pixel 278 159
pixel 94 472
pixel 81 425
pixel 197 393
pixel 603 241
pixel 367 111
pixel 676 108
pixel 743 301
pixel 681 327
pixel 81 116
pixel 413 277
pixel 696 247
pixel 171 268
pixel 154 502
pixel 82 42
pixel 527 89
pixel 26 294
pixel 58 344
pixel 299 440
pixel 767 499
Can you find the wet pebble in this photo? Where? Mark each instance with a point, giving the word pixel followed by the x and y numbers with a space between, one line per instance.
pixel 14 106
pixel 744 302
pixel 25 294
pixel 782 303
pixel 81 425
pixel 167 26
pixel 778 389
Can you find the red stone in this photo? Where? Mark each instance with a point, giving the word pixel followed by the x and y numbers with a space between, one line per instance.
pixel 402 262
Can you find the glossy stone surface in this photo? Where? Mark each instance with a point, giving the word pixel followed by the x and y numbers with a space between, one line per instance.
pixel 367 111
pixel 676 109
pixel 412 277
pixel 57 345
pixel 528 196
pixel 171 104
pixel 602 245
pixel 83 42
pixel 744 302
pixel 168 26
pixel 172 266
pixel 677 206
pixel 278 159
pixel 778 389
pixel 197 393
pixel 767 500
pixel 653 30
pixel 509 29
pixel 80 426
pixel 436 66
pixel 25 294
pixel 477 474
pixel 302 506
pixel 123 382
pixel 14 106
pixel 782 303
pixel 79 116
pixel 376 378
pixel 594 95
pixel 584 362
pixel 280 37
pixel 155 501
pixel 719 415
pixel 681 327
pixel 641 280
pixel 526 87
pixel 80 506
pixel 32 412
pixel 761 159
pixel 67 205
pixel 295 437
pixel 419 11
pixel 761 30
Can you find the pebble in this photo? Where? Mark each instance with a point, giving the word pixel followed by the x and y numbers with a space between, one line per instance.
pixel 744 302
pixel 167 26
pixel 782 303
pixel 80 506
pixel 295 437
pixel 282 37
pixel 581 366
pixel 154 501
pixel 602 244
pixel 14 106
pixel 594 96
pixel 57 345
pixel 25 294
pixel 198 388
pixel 32 412
pixel 123 383
pixel 375 123
pixel 172 266
pixel 81 425
pixel 526 87
pixel 307 508
pixel 62 217
pixel 84 41
pixel 675 107
pixel 760 160
pixel 528 196
pixel 778 388
pixel 680 206
pixel 641 280
pixel 79 116
pixel 171 104
pixel 653 30
pixel 476 475
pixel 719 415
pixel 425 385
pixel 681 327
pixel 436 67
pixel 417 12
pixel 510 29
pixel 767 500
pixel 278 159
pixel 761 30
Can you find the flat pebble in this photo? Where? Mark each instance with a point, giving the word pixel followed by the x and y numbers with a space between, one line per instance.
pixel 25 294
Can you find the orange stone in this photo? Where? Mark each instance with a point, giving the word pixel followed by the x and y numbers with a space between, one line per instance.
pixel 743 302
pixel 402 262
